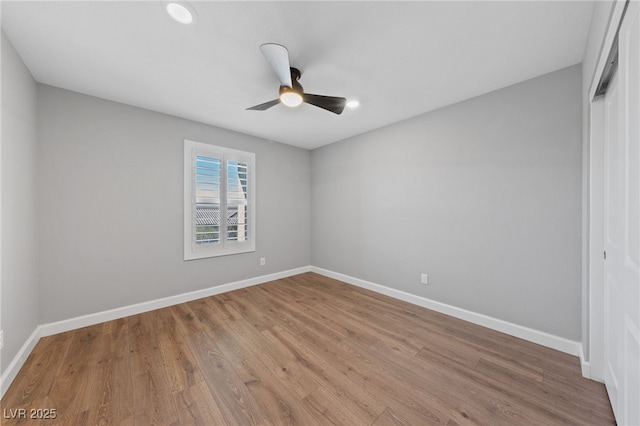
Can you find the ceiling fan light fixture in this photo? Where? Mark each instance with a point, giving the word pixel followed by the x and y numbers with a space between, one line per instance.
pixel 353 103
pixel 290 98
pixel 181 12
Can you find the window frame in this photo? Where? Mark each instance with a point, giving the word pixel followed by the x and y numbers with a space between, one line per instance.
pixel 224 247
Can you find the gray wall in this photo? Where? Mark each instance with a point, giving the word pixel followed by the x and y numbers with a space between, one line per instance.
pixel 19 168
pixel 111 207
pixel 483 195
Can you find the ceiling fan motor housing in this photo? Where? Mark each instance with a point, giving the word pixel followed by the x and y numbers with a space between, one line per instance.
pixel 295 86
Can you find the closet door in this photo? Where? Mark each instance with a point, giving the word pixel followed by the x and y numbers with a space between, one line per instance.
pixel 622 225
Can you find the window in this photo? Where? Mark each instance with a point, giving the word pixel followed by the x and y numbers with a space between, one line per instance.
pixel 219 201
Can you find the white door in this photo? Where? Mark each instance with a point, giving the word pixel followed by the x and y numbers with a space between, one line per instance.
pixel 622 226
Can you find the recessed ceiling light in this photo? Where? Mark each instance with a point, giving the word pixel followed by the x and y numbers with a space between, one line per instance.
pixel 182 12
pixel 353 104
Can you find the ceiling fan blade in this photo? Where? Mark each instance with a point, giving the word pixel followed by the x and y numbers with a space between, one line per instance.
pixel 330 103
pixel 265 105
pixel 278 57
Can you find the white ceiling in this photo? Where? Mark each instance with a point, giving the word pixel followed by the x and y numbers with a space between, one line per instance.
pixel 399 59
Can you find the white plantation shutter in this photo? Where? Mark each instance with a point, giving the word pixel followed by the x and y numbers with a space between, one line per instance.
pixel 237 214
pixel 207 202
pixel 219 207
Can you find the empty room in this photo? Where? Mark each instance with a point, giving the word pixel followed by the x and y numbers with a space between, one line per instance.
pixel 320 212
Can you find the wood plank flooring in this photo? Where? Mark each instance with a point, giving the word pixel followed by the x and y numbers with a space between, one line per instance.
pixel 305 350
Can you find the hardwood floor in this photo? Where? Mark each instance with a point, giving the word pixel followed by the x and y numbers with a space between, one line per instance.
pixel 305 350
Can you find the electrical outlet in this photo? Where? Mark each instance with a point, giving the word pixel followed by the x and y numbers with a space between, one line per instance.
pixel 263 261
pixel 424 279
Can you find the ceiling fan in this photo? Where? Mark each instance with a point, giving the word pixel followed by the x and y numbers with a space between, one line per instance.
pixel 291 92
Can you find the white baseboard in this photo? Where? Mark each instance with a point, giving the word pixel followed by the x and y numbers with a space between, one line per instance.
pixel 91 319
pixel 529 334
pixel 584 364
pixel 16 363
